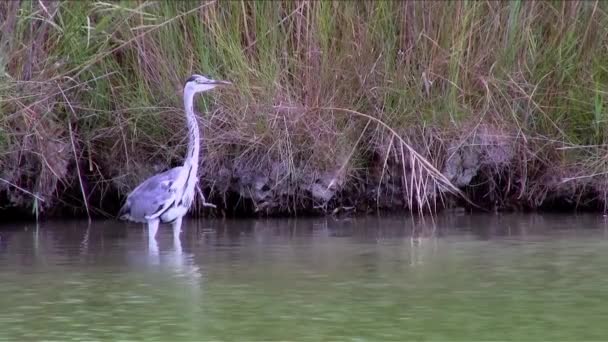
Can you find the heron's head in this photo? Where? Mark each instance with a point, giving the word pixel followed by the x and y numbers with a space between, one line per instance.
pixel 198 83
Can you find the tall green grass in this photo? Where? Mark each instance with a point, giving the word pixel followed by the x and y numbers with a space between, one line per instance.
pixel 529 76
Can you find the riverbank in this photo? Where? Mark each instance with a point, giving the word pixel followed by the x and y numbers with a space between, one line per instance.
pixel 343 106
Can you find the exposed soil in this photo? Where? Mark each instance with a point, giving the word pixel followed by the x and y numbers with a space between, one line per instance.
pixel 484 165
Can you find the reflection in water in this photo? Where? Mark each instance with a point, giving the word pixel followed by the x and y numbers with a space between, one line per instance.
pixel 390 278
pixel 176 260
pixel 84 245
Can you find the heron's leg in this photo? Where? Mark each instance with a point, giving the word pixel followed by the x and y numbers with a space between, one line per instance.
pixel 153 250
pixel 152 228
pixel 152 244
pixel 177 228
pixel 177 245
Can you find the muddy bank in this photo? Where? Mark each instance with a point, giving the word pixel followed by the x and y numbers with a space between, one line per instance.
pixel 485 165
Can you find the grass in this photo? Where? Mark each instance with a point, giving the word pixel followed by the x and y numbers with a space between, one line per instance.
pixel 351 96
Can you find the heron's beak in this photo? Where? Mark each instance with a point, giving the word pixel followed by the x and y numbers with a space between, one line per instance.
pixel 222 82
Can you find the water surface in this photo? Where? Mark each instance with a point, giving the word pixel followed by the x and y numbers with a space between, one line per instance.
pixel 479 277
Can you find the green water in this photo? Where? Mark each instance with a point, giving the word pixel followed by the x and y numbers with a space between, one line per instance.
pixel 455 278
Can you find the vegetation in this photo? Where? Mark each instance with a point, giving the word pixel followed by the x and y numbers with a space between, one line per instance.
pixel 377 104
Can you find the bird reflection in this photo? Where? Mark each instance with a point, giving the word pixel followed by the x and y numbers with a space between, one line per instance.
pixel 175 260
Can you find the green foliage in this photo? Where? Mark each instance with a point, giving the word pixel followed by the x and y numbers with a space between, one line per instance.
pixel 115 69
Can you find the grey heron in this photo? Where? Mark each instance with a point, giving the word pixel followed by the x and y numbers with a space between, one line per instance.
pixel 167 196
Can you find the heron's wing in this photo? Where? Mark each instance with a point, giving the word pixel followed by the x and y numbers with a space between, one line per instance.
pixel 151 197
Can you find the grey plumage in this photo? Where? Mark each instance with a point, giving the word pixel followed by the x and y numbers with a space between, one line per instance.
pixel 150 196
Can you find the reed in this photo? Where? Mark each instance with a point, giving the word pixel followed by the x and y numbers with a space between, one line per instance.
pixel 375 104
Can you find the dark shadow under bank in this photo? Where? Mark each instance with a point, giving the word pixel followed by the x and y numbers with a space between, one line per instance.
pixel 234 205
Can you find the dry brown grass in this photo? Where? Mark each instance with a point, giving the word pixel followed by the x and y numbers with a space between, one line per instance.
pixel 337 104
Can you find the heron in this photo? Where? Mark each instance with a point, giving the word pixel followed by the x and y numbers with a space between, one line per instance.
pixel 166 197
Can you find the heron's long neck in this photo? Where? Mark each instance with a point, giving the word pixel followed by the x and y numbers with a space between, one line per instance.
pixel 193 133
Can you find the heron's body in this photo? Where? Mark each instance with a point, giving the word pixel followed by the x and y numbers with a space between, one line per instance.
pixel 167 196
pixel 154 198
